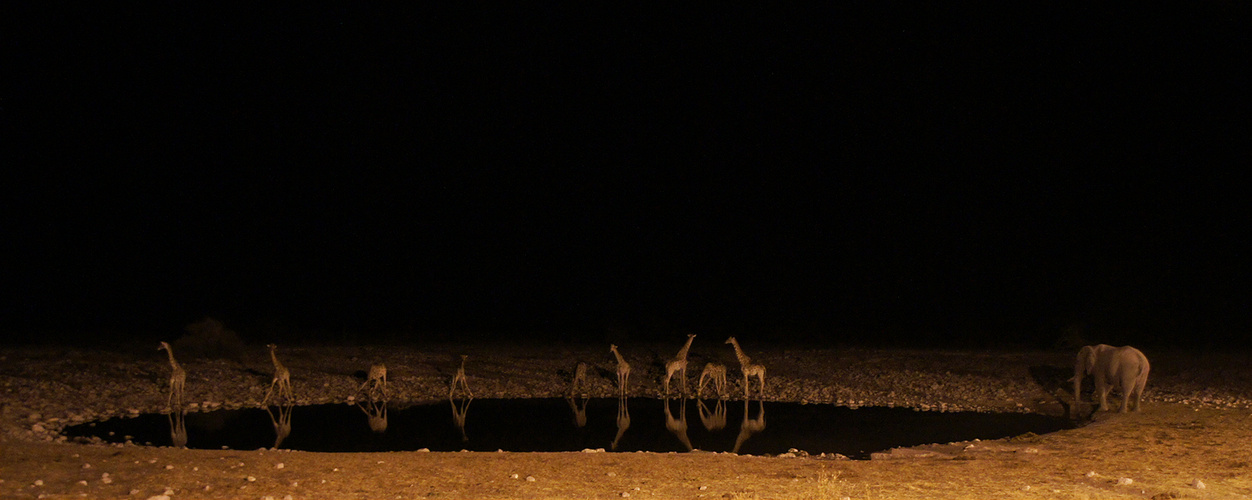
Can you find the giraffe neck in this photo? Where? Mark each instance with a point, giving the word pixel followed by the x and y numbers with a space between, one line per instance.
pixel 618 355
pixel 173 363
pixel 744 360
pixel 274 357
pixel 682 353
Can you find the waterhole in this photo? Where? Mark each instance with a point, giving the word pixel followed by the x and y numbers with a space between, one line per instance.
pixel 530 425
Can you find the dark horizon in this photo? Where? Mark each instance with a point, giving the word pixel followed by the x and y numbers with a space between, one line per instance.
pixel 847 174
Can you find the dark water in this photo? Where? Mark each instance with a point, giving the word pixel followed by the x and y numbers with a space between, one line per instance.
pixel 524 425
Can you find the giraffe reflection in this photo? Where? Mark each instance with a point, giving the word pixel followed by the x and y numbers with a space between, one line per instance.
pixel 623 421
pixel 178 427
pixel 459 410
pixel 750 426
pixel 282 422
pixel 580 410
pixel 376 414
pixel 714 420
pixel 678 426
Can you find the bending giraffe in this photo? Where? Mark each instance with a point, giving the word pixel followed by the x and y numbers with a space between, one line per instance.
pixel 580 379
pixel 623 371
pixel 747 367
pixel 717 373
pixel 282 379
pixel 178 378
pixel 376 382
pixel 679 365
pixel 460 378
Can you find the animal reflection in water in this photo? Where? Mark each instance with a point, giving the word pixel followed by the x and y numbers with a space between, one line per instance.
pixel 376 413
pixel 282 422
pixel 178 427
pixel 678 426
pixel 623 421
pixel 750 426
pixel 459 411
pixel 580 410
pixel 714 420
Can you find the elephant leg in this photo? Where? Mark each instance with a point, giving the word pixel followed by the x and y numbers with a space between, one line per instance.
pixel 1103 389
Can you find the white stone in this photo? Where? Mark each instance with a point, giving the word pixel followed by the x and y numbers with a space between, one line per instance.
pixel 1198 484
pixel 1123 481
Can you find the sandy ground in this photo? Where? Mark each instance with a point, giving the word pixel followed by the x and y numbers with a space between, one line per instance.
pixel 1190 441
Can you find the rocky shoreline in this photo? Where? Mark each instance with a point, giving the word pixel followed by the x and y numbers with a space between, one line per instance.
pixel 48 388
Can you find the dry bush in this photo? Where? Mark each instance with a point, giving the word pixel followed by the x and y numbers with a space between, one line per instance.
pixel 208 338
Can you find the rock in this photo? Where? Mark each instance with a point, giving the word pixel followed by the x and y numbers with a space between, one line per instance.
pixel 1198 484
pixel 1125 481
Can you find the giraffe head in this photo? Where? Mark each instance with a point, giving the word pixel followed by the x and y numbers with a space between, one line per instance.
pixel 730 340
pixel 164 345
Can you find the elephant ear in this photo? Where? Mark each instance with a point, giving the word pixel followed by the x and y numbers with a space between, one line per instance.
pixel 1086 361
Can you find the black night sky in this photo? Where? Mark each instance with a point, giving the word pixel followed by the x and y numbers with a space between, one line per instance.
pixel 877 173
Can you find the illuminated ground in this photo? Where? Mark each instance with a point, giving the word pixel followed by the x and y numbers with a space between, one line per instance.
pixel 1197 419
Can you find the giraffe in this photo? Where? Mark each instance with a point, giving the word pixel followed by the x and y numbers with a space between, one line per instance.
pixel 580 410
pixel 679 365
pixel 715 419
pixel 178 427
pixel 580 379
pixel 178 378
pixel 747 367
pixel 623 371
pixel 459 412
pixel 376 381
pixel 375 415
pixel 749 426
pixel 716 372
pixel 282 423
pixel 282 379
pixel 460 378
pixel 678 426
pixel 623 421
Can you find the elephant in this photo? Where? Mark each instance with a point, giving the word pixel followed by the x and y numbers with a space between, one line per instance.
pixel 1124 368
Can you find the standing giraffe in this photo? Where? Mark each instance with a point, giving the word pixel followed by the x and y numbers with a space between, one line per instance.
pixel 623 371
pixel 747 367
pixel 679 365
pixel 460 377
pixel 178 378
pixel 282 379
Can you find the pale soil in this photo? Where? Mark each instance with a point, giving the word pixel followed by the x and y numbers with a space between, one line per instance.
pixel 1196 424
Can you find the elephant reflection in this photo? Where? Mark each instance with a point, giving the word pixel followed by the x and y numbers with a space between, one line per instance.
pixel 460 409
pixel 178 427
pixel 623 421
pixel 376 414
pixel 750 426
pixel 282 422
pixel 580 411
pixel 714 420
pixel 678 426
